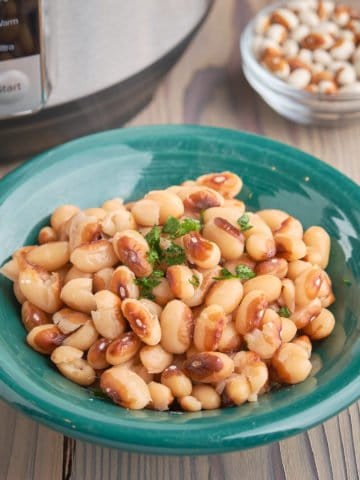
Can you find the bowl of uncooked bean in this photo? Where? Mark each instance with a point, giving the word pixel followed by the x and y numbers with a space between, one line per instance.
pixel 303 58
pixel 179 289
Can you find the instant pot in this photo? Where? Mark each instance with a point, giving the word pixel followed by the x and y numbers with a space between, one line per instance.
pixel 71 67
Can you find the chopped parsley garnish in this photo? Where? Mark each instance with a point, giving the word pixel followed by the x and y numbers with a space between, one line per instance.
pixel 171 226
pixel 347 282
pixel 225 274
pixel 242 272
pixel 153 240
pixel 174 255
pixel 243 222
pixel 147 284
pixel 194 280
pixel 176 228
pixel 284 312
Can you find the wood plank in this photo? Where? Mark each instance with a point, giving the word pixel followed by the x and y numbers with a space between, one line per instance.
pixel 28 450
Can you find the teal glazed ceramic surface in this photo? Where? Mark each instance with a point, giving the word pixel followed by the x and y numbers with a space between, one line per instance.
pixel 128 163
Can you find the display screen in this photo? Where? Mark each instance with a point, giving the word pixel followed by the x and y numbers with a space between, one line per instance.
pixel 19 28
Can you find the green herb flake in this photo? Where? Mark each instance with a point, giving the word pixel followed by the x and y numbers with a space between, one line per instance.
pixel 174 255
pixel 347 282
pixel 153 237
pixel 194 280
pixel 153 256
pixel 189 225
pixel 243 222
pixel 171 226
pixel 284 312
pixel 176 228
pixel 225 274
pixel 242 272
pixel 147 284
pixel 153 240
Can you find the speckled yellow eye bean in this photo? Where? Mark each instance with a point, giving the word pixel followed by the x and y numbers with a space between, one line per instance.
pixel 174 378
pixel 180 281
pixel 125 388
pixel 269 284
pixel 251 311
pixel 201 252
pixel 161 396
pixel 45 338
pixel 226 183
pixel 146 213
pixel 177 327
pixel 144 322
pixel 107 317
pixel 169 204
pixel 226 293
pixel 83 337
pixel 321 326
pixel 317 241
pixel 237 389
pixel 154 358
pixel 207 396
pixel 209 367
pixel 209 327
pixel 77 294
pixel 260 247
pixel 47 235
pixel 123 348
pixel 94 256
pixel 289 247
pixel 61 215
pixel 69 362
pixel 291 364
pixel 32 316
pixel 96 355
pixel 229 238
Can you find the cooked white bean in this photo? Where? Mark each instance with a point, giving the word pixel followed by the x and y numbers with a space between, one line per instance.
pixel 226 293
pixel 125 387
pixel 177 326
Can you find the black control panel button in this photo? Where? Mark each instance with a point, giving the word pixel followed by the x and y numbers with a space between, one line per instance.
pixel 19 28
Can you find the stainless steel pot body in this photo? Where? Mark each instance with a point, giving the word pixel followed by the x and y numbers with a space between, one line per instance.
pixel 75 67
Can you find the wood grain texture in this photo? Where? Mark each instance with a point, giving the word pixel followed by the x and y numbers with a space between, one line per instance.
pixel 205 87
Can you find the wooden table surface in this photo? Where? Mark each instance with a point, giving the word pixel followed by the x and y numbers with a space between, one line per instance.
pixel 205 87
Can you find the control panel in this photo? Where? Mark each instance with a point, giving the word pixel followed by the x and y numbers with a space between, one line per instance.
pixel 22 69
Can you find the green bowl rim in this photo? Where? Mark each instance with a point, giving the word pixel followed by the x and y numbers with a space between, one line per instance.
pixel 185 438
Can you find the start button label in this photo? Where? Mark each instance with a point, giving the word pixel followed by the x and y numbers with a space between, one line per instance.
pixel 13 86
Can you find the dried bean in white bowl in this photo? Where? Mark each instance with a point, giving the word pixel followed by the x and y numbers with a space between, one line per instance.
pixel 300 32
pixel 322 56
pixel 290 48
pixel 299 78
pixel 342 49
pixel 346 75
pixel 277 33
pixel 354 88
pixel 309 17
pixel 305 55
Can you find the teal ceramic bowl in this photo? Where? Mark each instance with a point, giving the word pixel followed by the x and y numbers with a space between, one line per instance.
pixel 128 163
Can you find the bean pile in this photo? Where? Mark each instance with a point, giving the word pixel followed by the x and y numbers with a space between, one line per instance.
pixel 312 45
pixel 182 299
